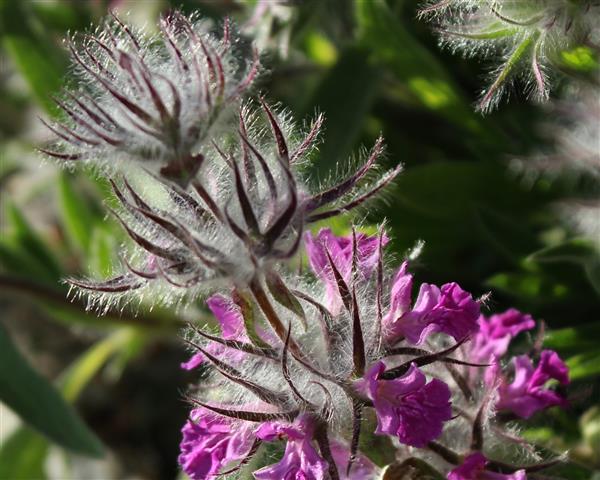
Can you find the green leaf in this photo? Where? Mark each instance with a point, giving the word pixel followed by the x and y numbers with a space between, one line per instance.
pixel 411 469
pixel 505 234
pixel 25 243
pixel 590 428
pixel 582 337
pixel 284 297
pixel 572 471
pixel 101 252
pixel 36 401
pixel 20 263
pixel 320 49
pixel 529 286
pixel 456 208
pixel 77 218
pixel 584 365
pixel 249 314
pixel 345 95
pixel 580 58
pixel 61 16
pixel 78 375
pixel 394 47
pixel 41 64
pixel 22 455
pixel 579 251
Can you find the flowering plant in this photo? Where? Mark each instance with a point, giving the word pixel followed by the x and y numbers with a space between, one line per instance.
pixel 344 367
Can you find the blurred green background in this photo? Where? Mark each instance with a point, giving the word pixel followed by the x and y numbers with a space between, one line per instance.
pixel 101 397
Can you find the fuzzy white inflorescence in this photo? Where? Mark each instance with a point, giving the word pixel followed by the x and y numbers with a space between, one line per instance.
pixel 211 188
pixel 152 99
pixel 528 37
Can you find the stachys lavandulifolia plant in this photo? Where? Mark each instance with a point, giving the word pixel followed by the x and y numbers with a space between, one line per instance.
pixel 526 37
pixel 344 370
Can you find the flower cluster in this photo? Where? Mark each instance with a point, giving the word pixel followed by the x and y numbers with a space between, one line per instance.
pixel 225 195
pixel 528 36
pixel 323 364
pixel 354 345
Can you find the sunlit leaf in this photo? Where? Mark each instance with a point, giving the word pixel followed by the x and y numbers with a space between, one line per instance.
pixel 102 252
pixel 345 95
pixel 22 455
pixel 79 374
pixel 579 251
pixel 584 365
pixel 40 62
pixel 394 47
pixel 580 337
pixel 76 217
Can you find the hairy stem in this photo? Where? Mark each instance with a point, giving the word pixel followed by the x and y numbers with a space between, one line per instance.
pixel 58 298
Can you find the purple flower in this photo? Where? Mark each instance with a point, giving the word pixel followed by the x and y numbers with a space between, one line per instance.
pixel 407 407
pixel 400 302
pixel 527 394
pixel 232 328
pixel 362 467
pixel 473 468
pixel 340 249
pixel 300 460
pixel 449 309
pixel 495 333
pixel 211 442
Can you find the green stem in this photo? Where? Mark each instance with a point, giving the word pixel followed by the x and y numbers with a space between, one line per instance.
pixel 58 298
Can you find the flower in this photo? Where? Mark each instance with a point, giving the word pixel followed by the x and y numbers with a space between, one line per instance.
pixel 211 442
pixel 232 328
pixel 496 332
pixel 362 467
pixel 527 393
pixel 473 468
pixel 341 251
pixel 408 407
pixel 400 303
pixel 305 378
pixel 300 460
pixel 448 309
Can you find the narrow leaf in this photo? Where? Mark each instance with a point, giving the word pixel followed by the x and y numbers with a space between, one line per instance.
pixel 244 301
pixel 282 294
pixel 39 404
